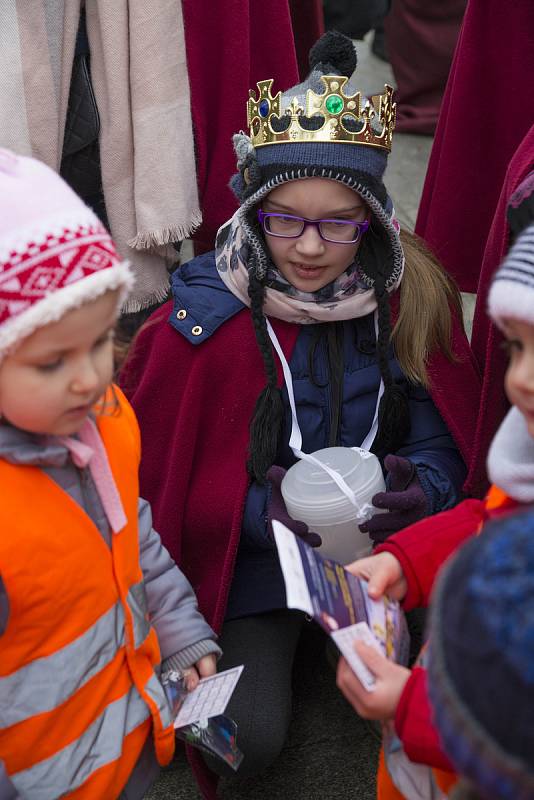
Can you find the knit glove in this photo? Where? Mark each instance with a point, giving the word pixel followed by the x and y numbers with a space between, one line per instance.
pixel 405 500
pixel 276 509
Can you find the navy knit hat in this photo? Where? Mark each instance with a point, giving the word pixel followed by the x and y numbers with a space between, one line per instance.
pixel 358 166
pixel 380 255
pixel 481 660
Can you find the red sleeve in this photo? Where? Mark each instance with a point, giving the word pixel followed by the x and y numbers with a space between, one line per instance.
pixel 424 547
pixel 413 723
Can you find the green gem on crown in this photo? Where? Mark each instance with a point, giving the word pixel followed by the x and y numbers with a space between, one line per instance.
pixel 334 104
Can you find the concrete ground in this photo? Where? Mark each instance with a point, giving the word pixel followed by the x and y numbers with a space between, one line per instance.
pixel 330 751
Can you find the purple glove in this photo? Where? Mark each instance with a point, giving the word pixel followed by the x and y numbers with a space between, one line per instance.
pixel 276 509
pixel 405 500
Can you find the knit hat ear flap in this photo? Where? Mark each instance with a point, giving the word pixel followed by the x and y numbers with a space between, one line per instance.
pixel 375 255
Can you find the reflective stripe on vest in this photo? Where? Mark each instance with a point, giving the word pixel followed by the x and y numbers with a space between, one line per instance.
pixel 155 691
pixel 70 768
pixel 137 604
pixel 35 688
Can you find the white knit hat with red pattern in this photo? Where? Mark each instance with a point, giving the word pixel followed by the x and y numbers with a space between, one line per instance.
pixel 55 254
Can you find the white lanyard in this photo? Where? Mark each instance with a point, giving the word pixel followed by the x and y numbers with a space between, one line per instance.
pixel 295 440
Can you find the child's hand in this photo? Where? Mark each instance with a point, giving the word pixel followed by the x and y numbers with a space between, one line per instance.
pixel 391 679
pixel 383 574
pixel 204 667
pixel 207 665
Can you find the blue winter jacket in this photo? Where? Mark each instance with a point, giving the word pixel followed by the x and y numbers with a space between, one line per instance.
pixel 197 287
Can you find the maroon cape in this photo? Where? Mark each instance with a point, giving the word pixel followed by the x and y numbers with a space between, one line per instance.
pixel 487 109
pixel 486 337
pixel 231 44
pixel 194 404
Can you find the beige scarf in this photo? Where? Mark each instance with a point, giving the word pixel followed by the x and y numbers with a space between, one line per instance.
pixel 139 74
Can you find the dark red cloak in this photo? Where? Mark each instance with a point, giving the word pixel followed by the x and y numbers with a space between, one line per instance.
pixel 230 44
pixel 486 338
pixel 487 109
pixel 194 404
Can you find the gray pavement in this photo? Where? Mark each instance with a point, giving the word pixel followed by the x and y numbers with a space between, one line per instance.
pixel 330 751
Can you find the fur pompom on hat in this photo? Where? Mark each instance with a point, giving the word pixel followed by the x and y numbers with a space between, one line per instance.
pixel 481 660
pixel 55 254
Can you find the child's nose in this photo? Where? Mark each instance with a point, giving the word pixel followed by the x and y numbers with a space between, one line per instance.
pixel 310 242
pixel 86 378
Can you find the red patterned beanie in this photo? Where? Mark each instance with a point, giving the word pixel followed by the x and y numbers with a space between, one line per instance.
pixel 55 254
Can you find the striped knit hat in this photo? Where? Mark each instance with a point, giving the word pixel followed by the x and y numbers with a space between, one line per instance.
pixel 512 291
pixel 481 660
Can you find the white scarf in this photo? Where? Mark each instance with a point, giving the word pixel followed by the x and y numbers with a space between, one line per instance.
pixel 511 458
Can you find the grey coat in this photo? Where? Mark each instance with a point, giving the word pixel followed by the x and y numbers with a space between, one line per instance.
pixel 184 635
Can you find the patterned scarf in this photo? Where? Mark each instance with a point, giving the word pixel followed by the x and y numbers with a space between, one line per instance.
pixel 347 297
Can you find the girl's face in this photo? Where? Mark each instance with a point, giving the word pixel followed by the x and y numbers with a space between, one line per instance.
pixel 309 262
pixel 51 381
pixel 519 380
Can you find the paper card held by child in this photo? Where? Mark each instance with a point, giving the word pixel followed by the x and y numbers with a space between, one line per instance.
pixel 337 600
pixel 199 716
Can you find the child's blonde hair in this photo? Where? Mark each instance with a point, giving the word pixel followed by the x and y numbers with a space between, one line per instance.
pixel 430 296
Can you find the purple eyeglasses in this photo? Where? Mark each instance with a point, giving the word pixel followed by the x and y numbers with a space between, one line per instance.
pixel 287 226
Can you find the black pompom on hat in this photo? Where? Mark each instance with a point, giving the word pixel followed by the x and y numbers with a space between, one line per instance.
pixel 333 52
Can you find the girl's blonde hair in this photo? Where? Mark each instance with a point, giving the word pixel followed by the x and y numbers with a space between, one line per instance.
pixel 428 296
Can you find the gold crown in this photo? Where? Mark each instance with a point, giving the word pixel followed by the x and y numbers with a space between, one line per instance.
pixel 333 105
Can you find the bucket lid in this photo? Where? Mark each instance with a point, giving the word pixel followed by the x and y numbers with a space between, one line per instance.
pixel 306 485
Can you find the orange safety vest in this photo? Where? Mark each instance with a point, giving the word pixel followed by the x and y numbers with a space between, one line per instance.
pixel 496 501
pixel 78 693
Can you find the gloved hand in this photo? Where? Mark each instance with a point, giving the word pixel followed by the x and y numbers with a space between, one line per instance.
pixel 405 500
pixel 276 509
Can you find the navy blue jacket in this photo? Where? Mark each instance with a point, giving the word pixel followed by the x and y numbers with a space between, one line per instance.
pixel 440 468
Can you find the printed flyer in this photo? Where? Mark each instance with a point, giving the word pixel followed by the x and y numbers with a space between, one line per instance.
pixel 337 601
